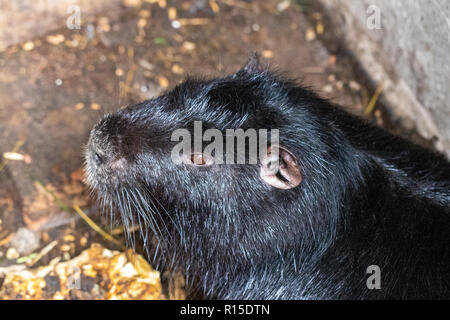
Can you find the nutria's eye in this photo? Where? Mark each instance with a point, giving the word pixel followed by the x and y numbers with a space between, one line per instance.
pixel 199 159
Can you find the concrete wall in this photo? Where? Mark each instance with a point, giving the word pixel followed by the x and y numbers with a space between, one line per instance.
pixel 409 55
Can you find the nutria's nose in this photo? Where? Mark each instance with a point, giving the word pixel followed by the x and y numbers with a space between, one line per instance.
pixel 112 138
pixel 98 159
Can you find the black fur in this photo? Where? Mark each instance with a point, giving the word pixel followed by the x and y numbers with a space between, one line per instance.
pixel 367 197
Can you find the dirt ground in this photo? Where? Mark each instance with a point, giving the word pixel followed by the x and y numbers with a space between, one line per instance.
pixel 53 89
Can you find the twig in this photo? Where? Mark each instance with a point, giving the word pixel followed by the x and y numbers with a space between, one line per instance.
pixel 11 269
pixel 373 100
pixel 55 198
pixel 94 226
pixel 238 4
pixel 126 85
pixel 43 252
pixel 193 21
pixel 83 215
pixel 214 6
pixel 120 230
pixel 6 240
pixel 16 148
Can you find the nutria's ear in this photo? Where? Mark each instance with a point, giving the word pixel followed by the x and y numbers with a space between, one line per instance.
pixel 252 65
pixel 280 168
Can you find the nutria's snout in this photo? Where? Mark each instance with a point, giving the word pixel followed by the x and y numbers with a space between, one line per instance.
pixel 108 152
pixel 98 159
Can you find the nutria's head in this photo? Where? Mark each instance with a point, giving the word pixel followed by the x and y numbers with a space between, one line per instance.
pixel 191 201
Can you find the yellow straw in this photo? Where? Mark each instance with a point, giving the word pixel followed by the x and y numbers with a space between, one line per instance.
pixel 373 100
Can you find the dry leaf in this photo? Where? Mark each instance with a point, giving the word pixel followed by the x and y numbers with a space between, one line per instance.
pixel 55 39
pixel 27 46
pixel 95 106
pixel 109 275
pixel 172 13
pixel 163 82
pixel 187 45
pixel 267 54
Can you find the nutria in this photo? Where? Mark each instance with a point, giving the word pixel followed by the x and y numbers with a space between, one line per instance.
pixel 349 200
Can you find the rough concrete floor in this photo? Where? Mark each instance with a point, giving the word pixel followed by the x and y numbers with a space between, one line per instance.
pixel 53 89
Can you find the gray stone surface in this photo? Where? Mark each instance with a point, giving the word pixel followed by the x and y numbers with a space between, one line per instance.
pixel 409 55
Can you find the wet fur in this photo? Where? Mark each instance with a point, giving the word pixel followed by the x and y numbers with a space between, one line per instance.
pixel 367 197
